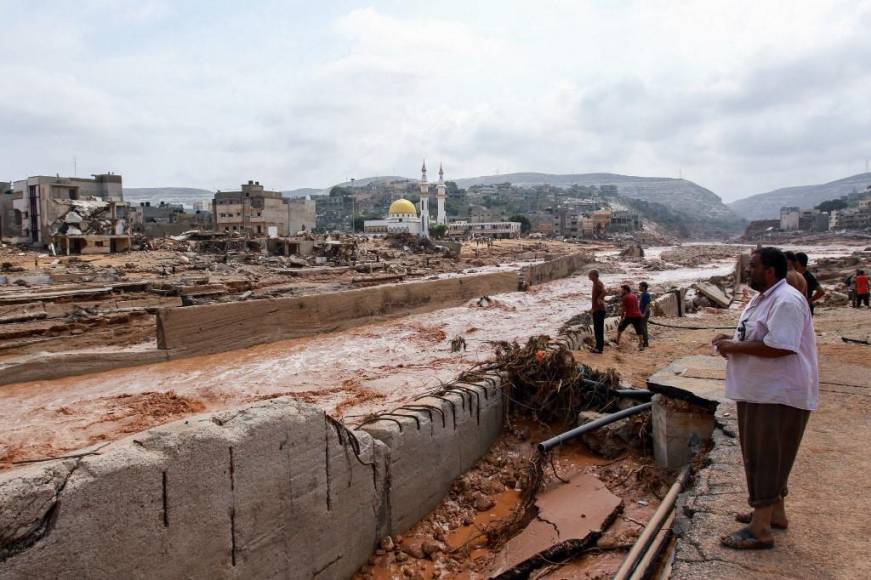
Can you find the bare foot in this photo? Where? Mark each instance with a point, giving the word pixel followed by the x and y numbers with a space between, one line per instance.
pixel 778 521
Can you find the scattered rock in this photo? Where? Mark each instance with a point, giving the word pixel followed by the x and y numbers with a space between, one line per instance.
pixel 483 502
pixel 387 543
pixel 431 547
pixel 412 547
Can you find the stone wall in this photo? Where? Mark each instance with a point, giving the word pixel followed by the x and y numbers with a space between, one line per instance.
pixel 554 269
pixel 277 489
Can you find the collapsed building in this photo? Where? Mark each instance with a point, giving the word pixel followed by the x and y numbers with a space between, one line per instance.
pixel 28 210
pixel 90 226
pixel 77 215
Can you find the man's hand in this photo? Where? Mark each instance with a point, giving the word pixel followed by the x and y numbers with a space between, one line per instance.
pixel 726 346
pixel 720 340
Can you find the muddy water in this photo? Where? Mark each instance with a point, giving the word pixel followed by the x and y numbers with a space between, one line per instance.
pixel 348 373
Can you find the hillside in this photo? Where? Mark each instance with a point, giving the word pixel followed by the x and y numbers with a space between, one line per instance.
pixel 767 205
pixel 703 211
pixel 188 195
pixel 184 195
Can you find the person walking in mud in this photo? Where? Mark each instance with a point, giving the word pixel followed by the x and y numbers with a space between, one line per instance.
pixel 772 373
pixel 630 315
pixel 644 306
pixel 598 311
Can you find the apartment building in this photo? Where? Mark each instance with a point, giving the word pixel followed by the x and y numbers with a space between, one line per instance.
pixel 260 212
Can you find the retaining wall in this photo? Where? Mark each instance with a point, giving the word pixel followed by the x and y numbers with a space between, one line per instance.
pixel 220 327
pixel 554 269
pixel 670 304
pixel 276 489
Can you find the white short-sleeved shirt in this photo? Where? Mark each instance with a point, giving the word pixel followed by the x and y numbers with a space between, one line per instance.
pixel 779 317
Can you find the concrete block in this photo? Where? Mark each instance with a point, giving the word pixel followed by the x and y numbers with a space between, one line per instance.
pixel 678 426
pixel 713 293
pixel 272 490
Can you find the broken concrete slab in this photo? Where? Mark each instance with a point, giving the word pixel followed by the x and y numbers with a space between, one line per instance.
pixel 713 293
pixel 571 516
pixel 697 379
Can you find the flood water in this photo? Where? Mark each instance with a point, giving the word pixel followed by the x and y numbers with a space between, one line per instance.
pixel 348 373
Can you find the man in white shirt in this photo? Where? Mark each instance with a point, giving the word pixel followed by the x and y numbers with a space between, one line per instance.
pixel 772 373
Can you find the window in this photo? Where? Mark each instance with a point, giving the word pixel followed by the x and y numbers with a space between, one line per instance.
pixel 99 244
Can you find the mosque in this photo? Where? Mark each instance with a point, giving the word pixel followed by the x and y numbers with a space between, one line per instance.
pixel 403 217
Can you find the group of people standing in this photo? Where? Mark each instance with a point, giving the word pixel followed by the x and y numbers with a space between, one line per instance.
pixel 771 372
pixel 634 312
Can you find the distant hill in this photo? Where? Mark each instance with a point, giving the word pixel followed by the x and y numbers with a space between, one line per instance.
pixel 702 209
pixel 767 205
pixel 183 195
pixel 188 195
pixel 302 192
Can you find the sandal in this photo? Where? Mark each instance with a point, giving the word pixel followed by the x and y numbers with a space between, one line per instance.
pixel 744 539
pixel 747 517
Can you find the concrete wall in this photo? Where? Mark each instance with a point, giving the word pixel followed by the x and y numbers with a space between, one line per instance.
pixel 276 489
pixel 575 339
pixel 221 327
pixel 669 304
pixel 554 269
pixel 433 441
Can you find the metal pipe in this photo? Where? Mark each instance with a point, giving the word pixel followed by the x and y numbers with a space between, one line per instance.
pixel 591 426
pixel 633 393
pixel 641 571
pixel 653 526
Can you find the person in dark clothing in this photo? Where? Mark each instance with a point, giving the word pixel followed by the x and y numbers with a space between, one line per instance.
pixel 814 290
pixel 598 311
pixel 631 315
pixel 644 306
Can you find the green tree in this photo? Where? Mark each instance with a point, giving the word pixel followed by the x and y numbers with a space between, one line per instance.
pixel 438 231
pixel 831 205
pixel 525 224
pixel 338 190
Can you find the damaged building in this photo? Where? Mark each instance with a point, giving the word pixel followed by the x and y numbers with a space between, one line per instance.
pixel 77 215
pixel 260 212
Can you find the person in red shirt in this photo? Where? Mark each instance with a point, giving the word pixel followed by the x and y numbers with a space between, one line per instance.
pixel 631 315
pixel 861 285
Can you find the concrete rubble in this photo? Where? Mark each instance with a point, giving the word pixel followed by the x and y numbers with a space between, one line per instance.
pixel 570 517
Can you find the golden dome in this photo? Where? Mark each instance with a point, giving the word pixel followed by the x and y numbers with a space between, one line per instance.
pixel 402 207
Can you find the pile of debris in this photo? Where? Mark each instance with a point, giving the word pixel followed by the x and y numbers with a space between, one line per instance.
pixel 88 217
pixel 693 256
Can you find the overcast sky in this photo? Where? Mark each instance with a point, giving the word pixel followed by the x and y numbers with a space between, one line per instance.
pixel 739 96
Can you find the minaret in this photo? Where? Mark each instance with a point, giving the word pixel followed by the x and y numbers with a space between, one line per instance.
pixel 424 202
pixel 441 218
